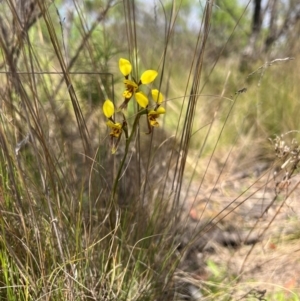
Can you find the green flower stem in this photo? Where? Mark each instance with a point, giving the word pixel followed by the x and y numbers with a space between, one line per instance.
pixel 128 140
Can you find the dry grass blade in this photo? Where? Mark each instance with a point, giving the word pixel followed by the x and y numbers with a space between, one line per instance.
pixel 68 82
pixel 192 99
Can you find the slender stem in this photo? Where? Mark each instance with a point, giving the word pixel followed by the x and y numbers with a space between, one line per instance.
pixel 128 140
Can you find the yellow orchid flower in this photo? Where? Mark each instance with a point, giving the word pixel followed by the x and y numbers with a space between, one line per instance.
pixel 109 110
pixel 154 114
pixel 131 86
pixel 158 110
pixel 115 127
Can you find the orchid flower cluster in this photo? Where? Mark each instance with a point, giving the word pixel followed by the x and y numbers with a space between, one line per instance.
pixel 132 91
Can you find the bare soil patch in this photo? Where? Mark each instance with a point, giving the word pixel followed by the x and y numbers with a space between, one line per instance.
pixel 250 228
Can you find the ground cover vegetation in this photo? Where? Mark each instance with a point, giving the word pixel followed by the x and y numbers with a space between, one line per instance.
pixel 149 150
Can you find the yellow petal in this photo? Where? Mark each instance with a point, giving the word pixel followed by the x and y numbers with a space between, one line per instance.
pixel 148 76
pixel 158 111
pixel 157 96
pixel 142 99
pixel 125 66
pixel 108 108
pixel 130 84
pixel 110 124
